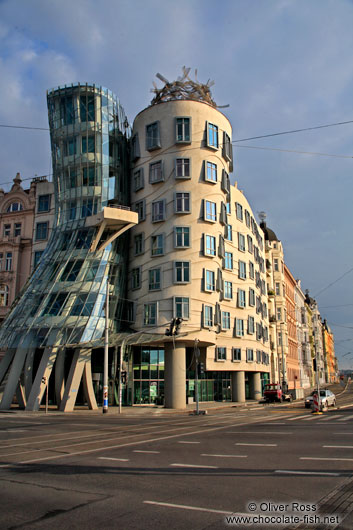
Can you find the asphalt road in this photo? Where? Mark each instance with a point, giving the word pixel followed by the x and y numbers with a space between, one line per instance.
pixel 172 471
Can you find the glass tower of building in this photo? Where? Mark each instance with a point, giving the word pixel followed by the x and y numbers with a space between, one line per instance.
pixel 63 304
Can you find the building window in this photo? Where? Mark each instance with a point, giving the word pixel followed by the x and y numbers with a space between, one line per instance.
pixel 43 203
pixel 181 307
pixel 87 108
pixel 136 278
pixel 181 236
pixel 182 202
pixel 139 244
pixel 241 298
pixel 140 208
pixel 157 245
pixel 251 325
pixel 1 261
pixel 251 297
pixel 251 270
pixel 17 229
pixel 150 314
pixel 212 135
pixel 208 316
pixel 89 207
pixel 221 353
pixel 8 261
pixel 228 233
pixel 236 354
pixel 182 168
pixel 55 304
pixel 242 270
pixel 181 271
pixel 158 211
pixel 15 207
pixel 72 210
pixel 7 230
pixel 250 245
pixel 239 327
pixel 239 211
pixel 89 176
pixel 41 231
pixel 249 355
pixel 4 295
pixel 247 218
pixel 210 213
pixel 225 183
pixel 156 172
pixel 153 137
pixel 241 242
pixel 210 280
pixel 279 313
pixel 228 261
pixel 135 147
pixel 228 208
pixel 183 130
pixel 88 144
pixel 225 320
pixel 210 245
pixel 154 279
pixel 227 147
pixel 211 172
pixel 37 256
pixel 278 288
pixel 138 179
pixel 71 271
pixel 228 290
pixel 275 264
pixel 84 304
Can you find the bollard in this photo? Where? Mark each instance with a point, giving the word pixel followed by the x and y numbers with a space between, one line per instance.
pixel 316 401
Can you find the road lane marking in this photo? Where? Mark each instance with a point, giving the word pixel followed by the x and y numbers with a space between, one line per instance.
pixel 195 508
pixel 309 418
pixel 258 445
pixel 151 452
pixel 293 472
pixel 332 418
pixel 295 418
pixel 257 432
pixel 342 433
pixel 225 456
pixel 185 442
pixel 346 418
pixel 273 423
pixel 193 465
pixel 329 459
pixel 339 446
pixel 117 459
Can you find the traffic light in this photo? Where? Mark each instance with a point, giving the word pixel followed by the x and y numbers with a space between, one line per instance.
pixel 178 322
pixel 174 327
pixel 169 331
pixel 200 369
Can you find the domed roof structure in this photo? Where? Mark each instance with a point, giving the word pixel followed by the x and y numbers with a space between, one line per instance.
pixel 269 234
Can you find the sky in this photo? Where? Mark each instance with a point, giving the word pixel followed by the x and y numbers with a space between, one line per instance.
pixel 281 65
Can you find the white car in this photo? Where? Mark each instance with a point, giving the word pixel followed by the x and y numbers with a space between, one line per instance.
pixel 327 398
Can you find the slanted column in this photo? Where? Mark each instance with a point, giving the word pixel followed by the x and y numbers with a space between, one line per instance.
pixel 238 386
pixel 39 386
pixel 255 385
pixel 175 375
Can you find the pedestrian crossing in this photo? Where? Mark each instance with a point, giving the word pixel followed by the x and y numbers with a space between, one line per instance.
pixel 324 418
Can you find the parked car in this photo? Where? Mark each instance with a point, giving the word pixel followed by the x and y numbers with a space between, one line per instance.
pixel 327 399
pixel 273 392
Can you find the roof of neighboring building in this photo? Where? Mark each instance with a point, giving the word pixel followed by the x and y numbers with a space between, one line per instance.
pixel 269 234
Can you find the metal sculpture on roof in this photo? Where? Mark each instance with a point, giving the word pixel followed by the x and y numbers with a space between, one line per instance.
pixel 183 88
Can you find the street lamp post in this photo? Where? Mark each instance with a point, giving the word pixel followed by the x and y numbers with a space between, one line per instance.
pixel 106 352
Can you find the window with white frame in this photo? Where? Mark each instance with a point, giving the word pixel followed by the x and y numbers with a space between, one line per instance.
pixel 241 298
pixel 225 320
pixel 150 314
pixel 156 172
pixel 239 211
pixel 136 278
pixel 4 295
pixel 239 327
pixel 252 297
pixel 182 203
pixel 212 135
pixel 182 168
pixel 158 211
pixel 251 270
pixel 210 280
pixel 228 232
pixel 154 279
pixel 249 355
pixel 138 179
pixel 279 313
pixel 181 271
pixel 247 218
pixel 228 260
pixel 221 353
pixel 7 230
pixel 183 130
pixel 181 307
pixel 210 245
pixel 211 172
pixel 275 264
pixel 210 211
pixel 8 261
pixel 140 208
pixel 250 245
pixel 15 207
pixel 228 290
pixel 278 288
pixel 17 229
pixel 181 236
pixel 208 316
pixel 236 354
pixel 241 242
pixel 242 270
pixel 157 245
pixel 139 244
pixel 153 137
pixel 251 325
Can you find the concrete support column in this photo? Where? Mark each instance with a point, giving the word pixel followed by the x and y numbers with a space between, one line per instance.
pixel 255 385
pixel 13 378
pixel 175 375
pixel 28 372
pixel 44 370
pixel 60 376
pixel 238 386
pixel 88 385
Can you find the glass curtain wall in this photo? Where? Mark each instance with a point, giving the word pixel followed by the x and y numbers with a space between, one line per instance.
pixel 63 302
